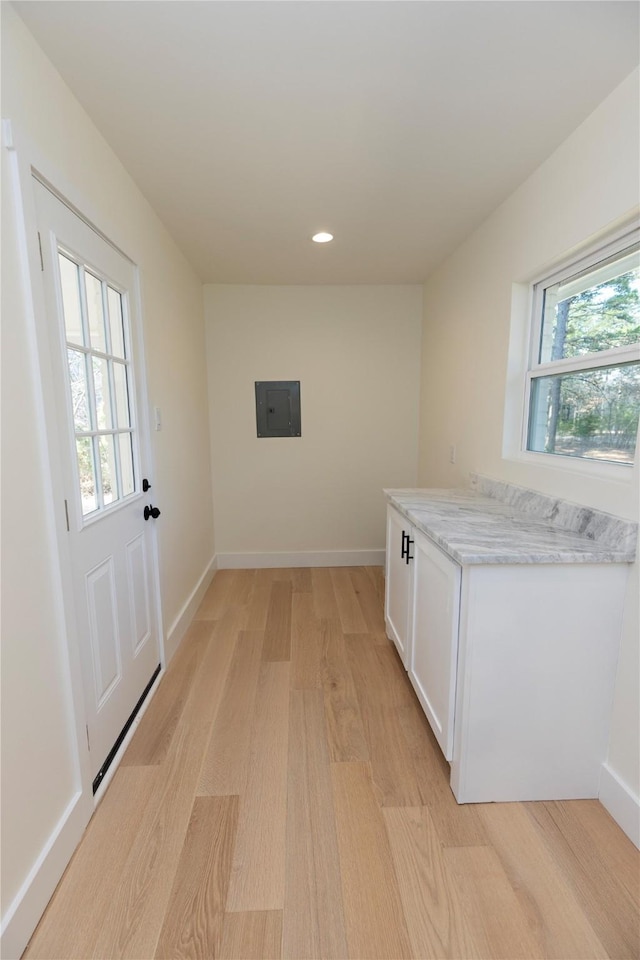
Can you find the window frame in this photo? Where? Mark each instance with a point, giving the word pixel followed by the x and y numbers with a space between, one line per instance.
pixel 535 369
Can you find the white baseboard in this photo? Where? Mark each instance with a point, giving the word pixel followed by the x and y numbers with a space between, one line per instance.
pixel 623 805
pixel 29 904
pixel 179 626
pixel 320 558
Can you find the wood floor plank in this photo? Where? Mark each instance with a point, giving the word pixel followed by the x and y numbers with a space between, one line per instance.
pixel 610 841
pixel 458 825
pixel 258 606
pixel 241 587
pixel 306 644
pixel 193 924
pixel 298 577
pixel 373 912
pixel 435 922
pixel 392 767
pixel 301 580
pixel 226 762
pixel 563 930
pixel 605 899
pixel 137 910
pixel 376 575
pixel 429 878
pixel 349 611
pixel 136 913
pixel 277 633
pixel 496 922
pixel 257 878
pixel 151 740
pixel 368 599
pixel 324 598
pixel 345 731
pixel 313 915
pixel 72 922
pixel 265 576
pixel 252 936
pixel 216 600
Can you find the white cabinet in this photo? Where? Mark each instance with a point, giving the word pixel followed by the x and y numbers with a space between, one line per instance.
pixel 398 576
pixel 433 647
pixel 514 664
pixel 422 603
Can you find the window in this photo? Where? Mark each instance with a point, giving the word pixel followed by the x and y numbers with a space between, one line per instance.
pixel 99 369
pixel 583 384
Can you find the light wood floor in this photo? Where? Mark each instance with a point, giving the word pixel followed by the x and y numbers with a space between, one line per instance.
pixel 284 797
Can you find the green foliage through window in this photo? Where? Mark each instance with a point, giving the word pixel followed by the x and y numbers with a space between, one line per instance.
pixel 590 407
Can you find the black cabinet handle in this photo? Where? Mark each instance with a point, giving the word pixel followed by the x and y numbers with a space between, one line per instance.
pixel 405 537
pixel 409 544
pixel 151 511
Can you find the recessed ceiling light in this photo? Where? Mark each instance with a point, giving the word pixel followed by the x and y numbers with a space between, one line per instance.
pixel 322 237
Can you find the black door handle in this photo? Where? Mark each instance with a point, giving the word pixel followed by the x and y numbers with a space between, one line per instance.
pixel 151 511
pixel 409 544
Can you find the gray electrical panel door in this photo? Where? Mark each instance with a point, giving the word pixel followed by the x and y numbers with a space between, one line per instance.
pixel 278 408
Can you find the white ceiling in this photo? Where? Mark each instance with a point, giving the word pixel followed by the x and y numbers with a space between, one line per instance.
pixel 396 126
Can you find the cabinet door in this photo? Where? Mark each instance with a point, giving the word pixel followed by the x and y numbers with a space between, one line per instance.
pixel 434 641
pixel 397 586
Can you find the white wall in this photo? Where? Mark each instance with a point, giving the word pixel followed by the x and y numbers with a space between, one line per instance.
pixel 589 184
pixel 355 350
pixel 52 132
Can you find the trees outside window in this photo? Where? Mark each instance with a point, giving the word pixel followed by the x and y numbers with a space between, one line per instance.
pixel 584 381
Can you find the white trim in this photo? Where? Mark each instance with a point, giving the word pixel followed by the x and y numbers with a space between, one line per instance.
pixel 615 357
pixel 179 626
pixel 524 336
pixel 606 243
pixel 623 805
pixel 320 558
pixel 598 469
pixel 63 198
pixel 30 902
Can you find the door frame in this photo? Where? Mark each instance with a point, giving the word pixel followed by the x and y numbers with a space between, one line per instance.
pixel 26 162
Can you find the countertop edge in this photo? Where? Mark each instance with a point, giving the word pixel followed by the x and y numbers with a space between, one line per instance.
pixel 602 555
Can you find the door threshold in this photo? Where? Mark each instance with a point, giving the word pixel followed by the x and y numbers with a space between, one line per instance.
pixel 125 730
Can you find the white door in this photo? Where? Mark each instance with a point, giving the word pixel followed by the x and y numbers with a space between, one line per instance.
pixel 398 576
pixel 91 313
pixel 434 642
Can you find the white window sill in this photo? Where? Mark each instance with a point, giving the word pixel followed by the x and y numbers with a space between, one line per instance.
pixel 595 469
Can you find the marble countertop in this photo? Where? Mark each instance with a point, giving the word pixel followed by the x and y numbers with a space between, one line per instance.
pixel 474 528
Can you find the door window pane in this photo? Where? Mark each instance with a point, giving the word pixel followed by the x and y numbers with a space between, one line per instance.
pixel 126 464
pixel 122 394
pixel 592 414
pixel 116 323
pixel 108 469
pixel 100 381
pixel 69 282
pixel 86 471
pixel 78 381
pixel 102 388
pixel 95 313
